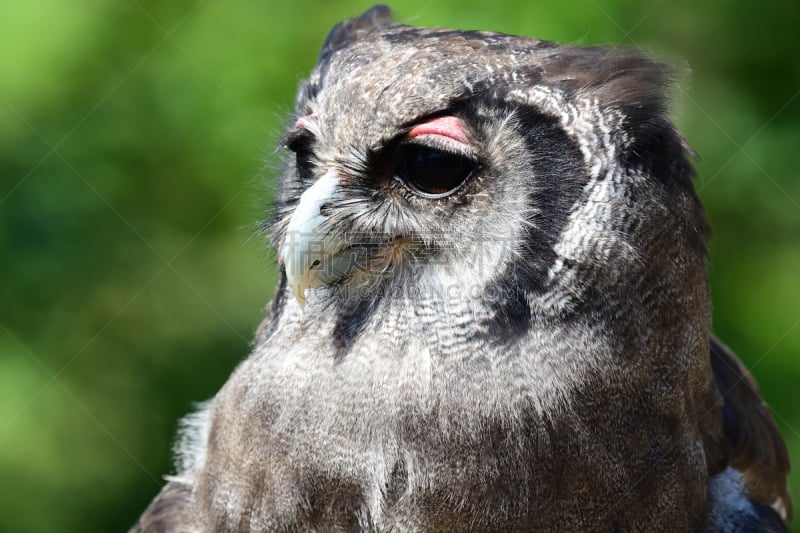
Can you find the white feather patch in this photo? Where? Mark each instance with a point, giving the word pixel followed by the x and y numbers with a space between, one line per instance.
pixel 190 446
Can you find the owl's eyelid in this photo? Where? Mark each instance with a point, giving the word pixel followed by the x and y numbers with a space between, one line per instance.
pixel 449 126
pixel 444 131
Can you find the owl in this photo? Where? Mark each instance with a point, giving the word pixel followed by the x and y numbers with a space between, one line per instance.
pixel 492 312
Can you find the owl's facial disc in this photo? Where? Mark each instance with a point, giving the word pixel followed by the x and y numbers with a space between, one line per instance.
pixel 433 160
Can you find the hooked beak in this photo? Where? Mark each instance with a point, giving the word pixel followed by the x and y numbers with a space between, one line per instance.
pixel 313 255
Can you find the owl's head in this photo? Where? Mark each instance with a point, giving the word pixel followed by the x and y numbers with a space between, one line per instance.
pixel 483 166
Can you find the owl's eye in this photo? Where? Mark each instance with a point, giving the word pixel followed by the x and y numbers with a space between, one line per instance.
pixel 430 172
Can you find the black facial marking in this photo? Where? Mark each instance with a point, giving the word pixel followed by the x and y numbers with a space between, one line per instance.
pixel 351 319
pixel 559 175
pixel 512 313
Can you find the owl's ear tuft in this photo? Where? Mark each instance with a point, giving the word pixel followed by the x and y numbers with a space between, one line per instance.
pixel 375 18
pixel 342 35
pixel 624 78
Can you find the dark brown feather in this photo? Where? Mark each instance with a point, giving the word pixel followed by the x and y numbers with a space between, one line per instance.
pixel 756 447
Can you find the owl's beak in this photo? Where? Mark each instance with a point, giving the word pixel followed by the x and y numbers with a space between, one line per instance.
pixel 313 255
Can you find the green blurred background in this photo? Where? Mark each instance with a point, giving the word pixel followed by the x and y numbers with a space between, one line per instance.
pixel 135 163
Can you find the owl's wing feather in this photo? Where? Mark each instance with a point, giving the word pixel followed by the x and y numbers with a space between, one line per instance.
pixel 756 447
pixel 168 512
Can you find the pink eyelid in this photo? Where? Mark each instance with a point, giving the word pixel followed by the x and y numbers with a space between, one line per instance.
pixel 447 126
pixel 303 122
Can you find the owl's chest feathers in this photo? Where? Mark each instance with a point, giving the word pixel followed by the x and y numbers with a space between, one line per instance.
pixel 401 361
pixel 407 415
